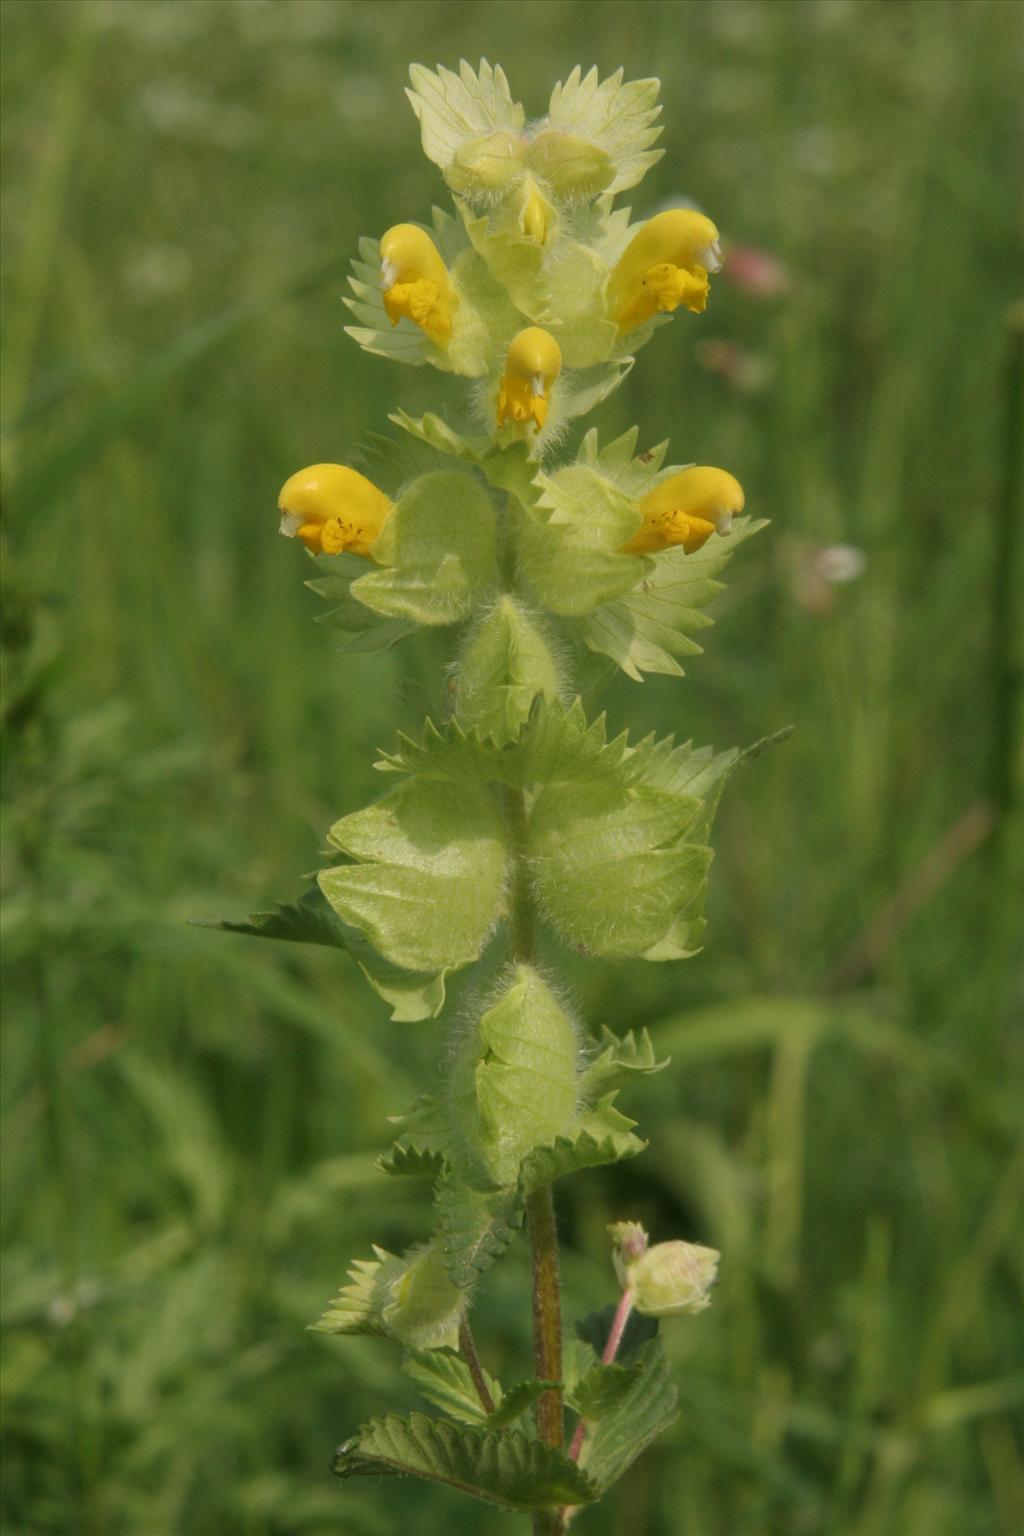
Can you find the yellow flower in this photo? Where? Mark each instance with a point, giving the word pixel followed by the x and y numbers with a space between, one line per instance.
pixel 665 264
pixel 532 364
pixel 415 281
pixel 687 510
pixel 332 508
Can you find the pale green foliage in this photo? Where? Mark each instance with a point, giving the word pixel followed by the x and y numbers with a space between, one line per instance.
pixel 452 108
pixel 515 1082
pixel 429 884
pixel 611 863
pixel 621 1058
pixel 506 664
pixel 617 117
pixel 649 628
pixel 501 1467
pixel 410 1299
pixel 312 920
pixel 570 546
pixel 437 553
pixel 601 1135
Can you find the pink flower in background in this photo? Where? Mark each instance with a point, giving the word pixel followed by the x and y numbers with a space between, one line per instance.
pixel 755 271
pixel 744 370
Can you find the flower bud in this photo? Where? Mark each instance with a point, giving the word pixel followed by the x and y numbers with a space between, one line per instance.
pixel 666 1280
pixel 415 281
pixel 532 364
pixel 665 264
pixel 332 508
pixel 536 215
pixel 687 509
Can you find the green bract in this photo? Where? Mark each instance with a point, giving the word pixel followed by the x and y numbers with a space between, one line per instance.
pixel 511 824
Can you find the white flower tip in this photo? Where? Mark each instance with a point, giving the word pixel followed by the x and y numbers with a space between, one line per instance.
pixel 290 524
pixel 711 257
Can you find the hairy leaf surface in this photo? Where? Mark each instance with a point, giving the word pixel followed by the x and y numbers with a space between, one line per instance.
pixel 429 884
pixel 501 1467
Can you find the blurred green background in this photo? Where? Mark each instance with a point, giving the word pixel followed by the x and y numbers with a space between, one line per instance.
pixel 191 1118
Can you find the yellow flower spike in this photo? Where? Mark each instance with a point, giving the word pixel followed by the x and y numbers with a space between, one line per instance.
pixel 687 510
pixel 666 264
pixel 415 281
pixel 532 364
pixel 333 508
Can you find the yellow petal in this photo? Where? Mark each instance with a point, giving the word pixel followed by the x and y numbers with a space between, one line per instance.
pixel 687 509
pixel 331 508
pixel 665 264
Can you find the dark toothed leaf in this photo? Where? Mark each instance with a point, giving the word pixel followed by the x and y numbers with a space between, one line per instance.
pixel 635 1416
pixel 444 1379
pixel 475 1226
pixel 501 1467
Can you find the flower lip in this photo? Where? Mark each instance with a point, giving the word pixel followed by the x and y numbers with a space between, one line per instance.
pixel 330 508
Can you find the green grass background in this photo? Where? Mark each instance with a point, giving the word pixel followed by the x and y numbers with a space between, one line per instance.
pixel 191 1118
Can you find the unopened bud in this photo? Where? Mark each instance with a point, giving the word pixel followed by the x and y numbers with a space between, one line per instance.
pixel 666 1280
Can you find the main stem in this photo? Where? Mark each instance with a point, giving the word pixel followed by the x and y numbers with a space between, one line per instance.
pixel 540 1206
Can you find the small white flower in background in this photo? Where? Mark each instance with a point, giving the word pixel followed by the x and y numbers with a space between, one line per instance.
pixel 666 1280
pixel 816 572
pixel 840 563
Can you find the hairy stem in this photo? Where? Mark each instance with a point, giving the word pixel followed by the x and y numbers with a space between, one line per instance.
pixel 467 1347
pixel 547 1331
pixel 521 913
pixel 540 1206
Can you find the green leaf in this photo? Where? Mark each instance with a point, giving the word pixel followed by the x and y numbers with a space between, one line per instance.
pixel 437 552
pixel 616 117
pixel 570 541
pixel 609 863
pixel 649 628
pixel 514 1084
pixel 436 433
pixel 426 1124
pixel 631 473
pixel 499 1466
pixel 475 1226
pixel 573 168
pixel 410 1299
pixel 518 1401
pixel 453 108
pixel 578 393
pixel 444 1379
pixel 513 259
pixel 641 1412
pixel 360 629
pixel 411 995
pixel 568 300
pixel 507 663
pixel 602 1136
pixel 411 1161
pixel 429 886
pixel 622 1057
pixel 485 319
pixel 601 1389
